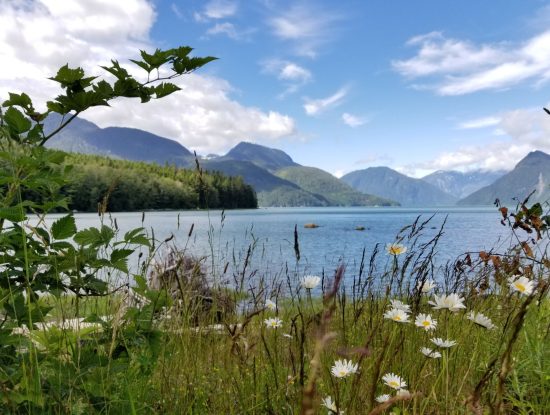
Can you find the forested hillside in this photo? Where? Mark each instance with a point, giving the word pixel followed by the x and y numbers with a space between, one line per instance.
pixel 134 186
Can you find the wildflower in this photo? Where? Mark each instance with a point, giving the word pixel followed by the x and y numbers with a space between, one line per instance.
pixel 442 343
pixel 452 302
pixel 331 406
pixel 481 320
pixel 383 398
pixel 343 368
pixel 427 286
pixel 521 284
pixel 400 306
pixel 430 353
pixel 270 305
pixel 273 323
pixel 425 321
pixel 397 315
pixel 394 381
pixel 310 281
pixel 396 249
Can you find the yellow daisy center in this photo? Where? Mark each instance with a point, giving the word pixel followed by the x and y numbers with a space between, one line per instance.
pixel 520 287
pixel 397 318
pixel 394 384
pixel 343 372
pixel 425 323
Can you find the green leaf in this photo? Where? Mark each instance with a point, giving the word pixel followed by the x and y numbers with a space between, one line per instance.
pixel 13 213
pixel 64 227
pixel 16 121
pixel 535 210
pixel 21 100
pixel 90 236
pixel 119 254
pixel 165 89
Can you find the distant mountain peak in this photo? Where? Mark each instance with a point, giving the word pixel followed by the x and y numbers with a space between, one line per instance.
pixel 269 158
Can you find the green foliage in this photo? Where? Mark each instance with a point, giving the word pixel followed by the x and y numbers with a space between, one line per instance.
pixel 47 369
pixel 131 186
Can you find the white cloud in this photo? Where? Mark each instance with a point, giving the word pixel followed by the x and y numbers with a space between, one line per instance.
pixel 353 120
pixel 217 9
pixel 458 67
pixel 479 123
pixel 316 106
pixel 38 37
pixel 291 74
pixel 230 30
pixel 522 131
pixel 307 28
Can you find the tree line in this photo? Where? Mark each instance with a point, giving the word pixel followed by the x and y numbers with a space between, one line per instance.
pixel 122 185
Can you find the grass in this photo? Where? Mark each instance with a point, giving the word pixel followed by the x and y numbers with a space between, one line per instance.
pixel 172 353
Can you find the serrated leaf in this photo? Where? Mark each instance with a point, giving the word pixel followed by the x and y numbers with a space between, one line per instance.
pixel 165 89
pixel 90 236
pixel 64 227
pixel 119 254
pixel 16 121
pixel 13 213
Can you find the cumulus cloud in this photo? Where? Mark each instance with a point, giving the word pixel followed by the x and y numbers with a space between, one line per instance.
pixel 353 120
pixel 316 106
pixel 458 67
pixel 521 131
pixel 217 9
pixel 305 27
pixel 39 36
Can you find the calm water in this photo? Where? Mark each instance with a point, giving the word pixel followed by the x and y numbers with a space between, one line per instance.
pixel 271 232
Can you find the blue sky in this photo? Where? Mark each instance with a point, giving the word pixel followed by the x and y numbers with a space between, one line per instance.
pixel 414 85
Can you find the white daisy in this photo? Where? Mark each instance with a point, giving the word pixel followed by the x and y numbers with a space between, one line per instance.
pixel 331 406
pixel 427 286
pixel 443 343
pixel 400 306
pixel 434 354
pixel 522 285
pixel 270 305
pixel 394 381
pixel 383 398
pixel 481 320
pixel 452 302
pixel 397 315
pixel 310 281
pixel 395 249
pixel 273 323
pixel 343 368
pixel 425 321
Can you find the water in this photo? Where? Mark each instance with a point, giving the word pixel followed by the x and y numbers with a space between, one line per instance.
pixel 271 233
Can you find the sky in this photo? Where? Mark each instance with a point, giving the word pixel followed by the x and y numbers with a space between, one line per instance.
pixel 417 86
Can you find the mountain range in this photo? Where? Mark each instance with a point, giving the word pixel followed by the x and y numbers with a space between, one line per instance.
pixel 280 181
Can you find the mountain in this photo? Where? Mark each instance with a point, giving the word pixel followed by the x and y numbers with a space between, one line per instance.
pixel 81 136
pixel 270 189
pixel 338 193
pixel 461 184
pixel 388 183
pixel 532 173
pixel 270 159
